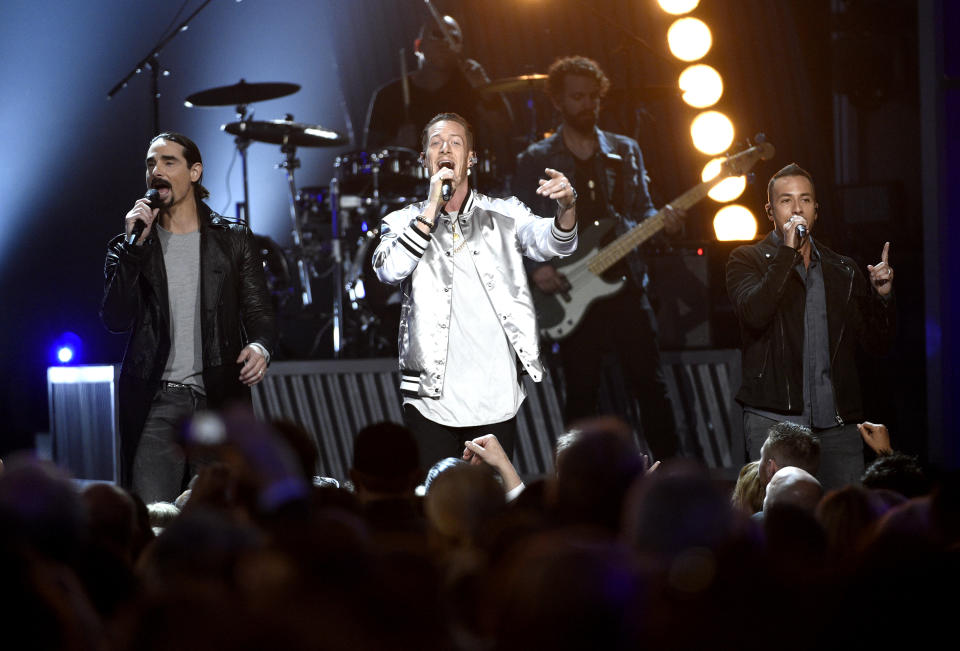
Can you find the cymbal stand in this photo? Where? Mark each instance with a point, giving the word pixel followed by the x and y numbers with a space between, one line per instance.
pixel 288 166
pixel 336 250
pixel 534 135
pixel 242 144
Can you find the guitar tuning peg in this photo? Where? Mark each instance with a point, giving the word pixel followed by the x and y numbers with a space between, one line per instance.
pixel 760 138
pixel 751 178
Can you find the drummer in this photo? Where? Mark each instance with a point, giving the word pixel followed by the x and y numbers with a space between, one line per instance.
pixel 443 78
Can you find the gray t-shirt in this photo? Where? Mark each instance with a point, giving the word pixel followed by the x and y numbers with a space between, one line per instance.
pixel 181 257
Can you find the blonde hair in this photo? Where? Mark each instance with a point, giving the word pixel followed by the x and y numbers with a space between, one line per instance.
pixel 749 492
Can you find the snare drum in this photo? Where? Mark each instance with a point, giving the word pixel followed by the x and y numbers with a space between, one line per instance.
pixel 392 171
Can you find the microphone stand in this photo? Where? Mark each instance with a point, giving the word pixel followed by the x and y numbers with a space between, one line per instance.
pixel 152 62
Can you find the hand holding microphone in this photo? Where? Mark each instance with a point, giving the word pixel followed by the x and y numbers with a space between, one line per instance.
pixel 795 237
pixel 446 187
pixel 141 212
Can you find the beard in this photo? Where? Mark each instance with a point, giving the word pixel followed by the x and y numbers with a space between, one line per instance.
pixel 584 121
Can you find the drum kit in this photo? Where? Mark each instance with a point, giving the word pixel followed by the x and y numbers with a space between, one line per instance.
pixel 323 286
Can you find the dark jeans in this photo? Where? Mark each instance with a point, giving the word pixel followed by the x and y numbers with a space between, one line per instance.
pixel 437 441
pixel 160 468
pixel 623 324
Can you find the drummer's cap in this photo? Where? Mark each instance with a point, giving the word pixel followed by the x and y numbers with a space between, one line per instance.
pixel 575 65
pixel 432 31
pixel 192 153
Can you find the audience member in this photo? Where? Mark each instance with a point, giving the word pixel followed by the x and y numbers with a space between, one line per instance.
pixel 599 556
pixel 795 487
pixel 749 491
pixel 487 450
pixel 876 436
pixel 788 444
pixel 897 472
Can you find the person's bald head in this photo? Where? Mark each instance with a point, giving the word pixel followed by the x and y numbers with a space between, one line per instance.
pixel 795 487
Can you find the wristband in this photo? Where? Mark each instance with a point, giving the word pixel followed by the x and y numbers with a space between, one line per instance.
pixel 424 221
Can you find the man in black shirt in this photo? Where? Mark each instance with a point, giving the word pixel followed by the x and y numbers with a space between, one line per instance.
pixel 607 170
pixel 443 81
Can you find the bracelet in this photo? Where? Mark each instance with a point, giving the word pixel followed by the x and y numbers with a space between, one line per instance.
pixel 425 222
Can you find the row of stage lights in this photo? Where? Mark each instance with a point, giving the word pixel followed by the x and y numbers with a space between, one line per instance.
pixel 689 40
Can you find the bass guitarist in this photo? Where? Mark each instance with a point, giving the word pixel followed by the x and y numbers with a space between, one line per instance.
pixel 608 171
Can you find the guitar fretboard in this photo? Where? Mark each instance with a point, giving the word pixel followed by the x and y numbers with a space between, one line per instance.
pixel 617 249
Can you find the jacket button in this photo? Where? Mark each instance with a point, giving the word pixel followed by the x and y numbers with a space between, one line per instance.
pixel 476 253
pixel 447 254
pixel 446 289
pixel 443 325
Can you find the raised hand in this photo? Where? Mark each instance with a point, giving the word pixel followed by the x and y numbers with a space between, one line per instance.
pixel 881 275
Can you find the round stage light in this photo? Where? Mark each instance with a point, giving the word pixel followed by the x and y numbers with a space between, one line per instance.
pixel 726 190
pixel 678 7
pixel 689 39
pixel 735 222
pixel 702 85
pixel 712 132
pixel 66 348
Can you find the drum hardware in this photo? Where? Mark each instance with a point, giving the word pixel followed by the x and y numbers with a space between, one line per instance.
pixel 241 95
pixel 336 237
pixel 289 135
pixel 528 84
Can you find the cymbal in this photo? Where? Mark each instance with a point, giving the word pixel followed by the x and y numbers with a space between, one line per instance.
pixel 279 132
pixel 509 84
pixel 241 93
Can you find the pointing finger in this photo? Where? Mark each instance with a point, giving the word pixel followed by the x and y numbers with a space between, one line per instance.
pixel 886 252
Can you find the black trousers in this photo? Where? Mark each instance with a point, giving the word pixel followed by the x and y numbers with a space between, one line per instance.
pixel 437 441
pixel 623 324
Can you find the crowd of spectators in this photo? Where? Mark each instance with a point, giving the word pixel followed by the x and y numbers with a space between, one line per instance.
pixel 607 553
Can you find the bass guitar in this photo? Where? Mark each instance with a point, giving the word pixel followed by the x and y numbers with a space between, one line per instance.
pixel 560 313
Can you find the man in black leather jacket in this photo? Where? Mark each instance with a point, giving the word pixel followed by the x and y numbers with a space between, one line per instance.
pixel 803 309
pixel 607 170
pixel 190 291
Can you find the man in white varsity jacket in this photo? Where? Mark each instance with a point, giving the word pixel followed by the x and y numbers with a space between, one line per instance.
pixel 468 328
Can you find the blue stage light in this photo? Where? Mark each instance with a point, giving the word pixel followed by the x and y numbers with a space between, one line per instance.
pixel 66 348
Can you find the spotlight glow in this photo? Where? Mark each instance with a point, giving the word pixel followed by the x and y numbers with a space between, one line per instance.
pixel 702 85
pixel 726 190
pixel 66 348
pixel 689 39
pixel 735 222
pixel 712 132
pixel 678 7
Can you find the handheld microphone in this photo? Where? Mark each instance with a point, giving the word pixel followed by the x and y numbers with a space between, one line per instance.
pixel 153 197
pixel 801 232
pixel 446 188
